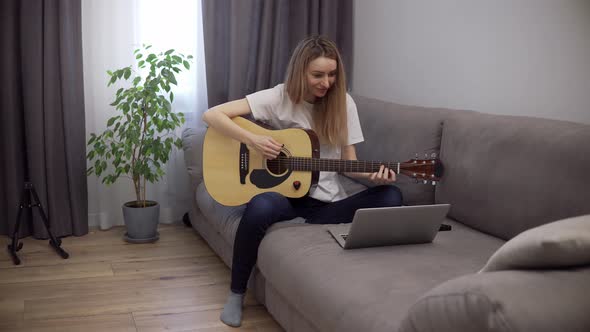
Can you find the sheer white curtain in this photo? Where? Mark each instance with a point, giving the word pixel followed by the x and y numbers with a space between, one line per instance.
pixel 112 29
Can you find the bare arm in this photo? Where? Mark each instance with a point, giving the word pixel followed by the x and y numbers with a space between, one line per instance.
pixel 383 176
pixel 219 117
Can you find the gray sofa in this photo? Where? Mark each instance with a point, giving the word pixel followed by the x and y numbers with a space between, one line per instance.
pixel 503 175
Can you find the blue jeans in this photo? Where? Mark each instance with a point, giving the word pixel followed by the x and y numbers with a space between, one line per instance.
pixel 268 208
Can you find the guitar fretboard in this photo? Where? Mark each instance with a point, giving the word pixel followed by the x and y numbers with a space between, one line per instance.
pixel 334 165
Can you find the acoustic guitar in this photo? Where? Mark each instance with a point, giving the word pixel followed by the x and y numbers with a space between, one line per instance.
pixel 233 173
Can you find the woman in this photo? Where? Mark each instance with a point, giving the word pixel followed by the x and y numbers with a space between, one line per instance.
pixel 312 97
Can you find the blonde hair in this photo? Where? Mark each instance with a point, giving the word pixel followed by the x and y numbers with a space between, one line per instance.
pixel 330 115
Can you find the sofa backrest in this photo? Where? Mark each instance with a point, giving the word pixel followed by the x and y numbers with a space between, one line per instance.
pixel 395 132
pixel 506 174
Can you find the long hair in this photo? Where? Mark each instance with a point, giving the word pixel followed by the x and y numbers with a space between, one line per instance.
pixel 329 116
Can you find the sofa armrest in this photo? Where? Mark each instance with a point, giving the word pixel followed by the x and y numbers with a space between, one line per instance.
pixel 192 144
pixel 531 300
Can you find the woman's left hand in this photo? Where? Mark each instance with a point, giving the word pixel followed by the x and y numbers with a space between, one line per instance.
pixel 383 177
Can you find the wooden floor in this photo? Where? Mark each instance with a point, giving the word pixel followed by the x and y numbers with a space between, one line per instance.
pixel 175 284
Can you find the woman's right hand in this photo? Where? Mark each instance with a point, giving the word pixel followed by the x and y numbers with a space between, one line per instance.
pixel 266 146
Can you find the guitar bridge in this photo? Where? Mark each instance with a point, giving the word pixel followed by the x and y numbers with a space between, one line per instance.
pixel 244 162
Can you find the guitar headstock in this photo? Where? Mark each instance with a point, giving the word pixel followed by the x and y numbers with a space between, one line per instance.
pixel 428 170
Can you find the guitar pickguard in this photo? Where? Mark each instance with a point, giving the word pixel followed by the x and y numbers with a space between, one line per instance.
pixel 263 179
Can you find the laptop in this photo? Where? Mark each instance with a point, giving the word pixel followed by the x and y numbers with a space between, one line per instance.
pixel 390 226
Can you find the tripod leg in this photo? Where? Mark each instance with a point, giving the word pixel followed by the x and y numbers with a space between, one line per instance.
pixel 16 246
pixel 53 241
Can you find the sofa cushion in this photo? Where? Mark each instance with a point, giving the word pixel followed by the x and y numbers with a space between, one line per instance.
pixel 397 133
pixel 563 243
pixel 367 289
pixel 506 174
pixel 548 300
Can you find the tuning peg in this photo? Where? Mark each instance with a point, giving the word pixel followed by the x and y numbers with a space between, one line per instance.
pixel 425 181
pixel 434 183
pixel 433 155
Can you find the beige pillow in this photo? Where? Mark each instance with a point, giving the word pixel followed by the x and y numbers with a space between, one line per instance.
pixel 562 243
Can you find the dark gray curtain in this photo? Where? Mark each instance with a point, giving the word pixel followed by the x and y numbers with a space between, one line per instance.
pixel 42 130
pixel 248 43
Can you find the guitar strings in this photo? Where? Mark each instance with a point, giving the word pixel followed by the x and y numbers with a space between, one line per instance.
pixel 305 163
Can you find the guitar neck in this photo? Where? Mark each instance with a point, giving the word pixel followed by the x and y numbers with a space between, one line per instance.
pixel 335 165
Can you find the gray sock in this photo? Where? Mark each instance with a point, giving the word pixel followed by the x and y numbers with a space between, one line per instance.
pixel 232 311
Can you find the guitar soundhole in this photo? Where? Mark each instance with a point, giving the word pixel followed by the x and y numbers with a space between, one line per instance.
pixel 279 165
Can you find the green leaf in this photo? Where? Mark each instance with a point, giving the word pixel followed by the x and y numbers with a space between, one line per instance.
pixel 186 64
pixel 127 73
pixel 169 51
pixel 91 154
pixel 112 80
pixel 178 143
pixel 141 63
pixel 111 121
pixel 171 96
pixel 138 56
pixel 136 80
pixel 172 79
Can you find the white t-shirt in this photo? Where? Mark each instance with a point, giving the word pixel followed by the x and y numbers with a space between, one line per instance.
pixel 275 108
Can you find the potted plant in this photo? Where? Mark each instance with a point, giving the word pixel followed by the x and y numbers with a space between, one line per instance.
pixel 137 141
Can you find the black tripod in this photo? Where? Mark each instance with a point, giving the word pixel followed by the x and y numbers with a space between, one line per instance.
pixel 26 203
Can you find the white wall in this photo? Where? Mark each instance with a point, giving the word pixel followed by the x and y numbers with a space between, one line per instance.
pixel 519 57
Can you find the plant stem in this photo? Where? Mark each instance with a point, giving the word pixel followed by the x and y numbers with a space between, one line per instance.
pixel 136 184
pixel 137 181
pixel 141 147
pixel 144 191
